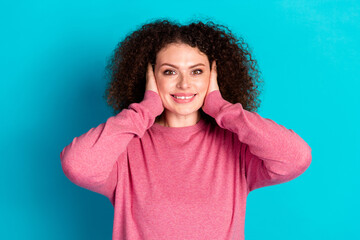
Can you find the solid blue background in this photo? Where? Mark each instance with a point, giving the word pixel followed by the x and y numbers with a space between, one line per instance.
pixel 53 56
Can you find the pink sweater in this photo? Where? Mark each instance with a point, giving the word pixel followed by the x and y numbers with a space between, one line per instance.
pixel 188 182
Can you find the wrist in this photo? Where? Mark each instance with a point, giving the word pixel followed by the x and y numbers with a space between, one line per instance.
pixel 152 102
pixel 213 103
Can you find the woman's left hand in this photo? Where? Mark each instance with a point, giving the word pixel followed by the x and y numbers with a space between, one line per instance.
pixel 213 85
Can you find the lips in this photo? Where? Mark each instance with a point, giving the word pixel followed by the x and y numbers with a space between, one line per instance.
pixel 183 94
pixel 183 98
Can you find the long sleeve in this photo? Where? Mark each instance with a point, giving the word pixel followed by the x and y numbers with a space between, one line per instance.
pixel 271 153
pixel 90 160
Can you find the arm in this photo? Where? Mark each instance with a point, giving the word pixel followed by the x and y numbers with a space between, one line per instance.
pixel 90 160
pixel 271 153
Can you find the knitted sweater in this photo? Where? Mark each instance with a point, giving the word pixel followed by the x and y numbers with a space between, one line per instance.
pixel 187 182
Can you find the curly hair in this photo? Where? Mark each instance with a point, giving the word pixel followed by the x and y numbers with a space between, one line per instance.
pixel 237 72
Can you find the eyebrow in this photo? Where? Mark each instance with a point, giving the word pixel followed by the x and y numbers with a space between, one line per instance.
pixel 171 65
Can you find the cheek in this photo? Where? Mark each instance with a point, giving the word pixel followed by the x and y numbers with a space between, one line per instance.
pixel 204 84
pixel 160 82
pixel 164 88
pixel 166 83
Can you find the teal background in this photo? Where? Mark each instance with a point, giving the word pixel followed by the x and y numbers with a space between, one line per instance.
pixel 53 55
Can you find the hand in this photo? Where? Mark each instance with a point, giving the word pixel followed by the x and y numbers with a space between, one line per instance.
pixel 213 85
pixel 150 80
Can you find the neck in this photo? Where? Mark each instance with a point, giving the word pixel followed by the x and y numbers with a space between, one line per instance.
pixel 170 120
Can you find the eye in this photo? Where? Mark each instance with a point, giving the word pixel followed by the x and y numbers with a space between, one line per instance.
pixel 169 72
pixel 197 71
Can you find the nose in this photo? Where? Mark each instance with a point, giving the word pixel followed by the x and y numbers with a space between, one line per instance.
pixel 183 81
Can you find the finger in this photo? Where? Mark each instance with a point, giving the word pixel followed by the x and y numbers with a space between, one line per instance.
pixel 214 66
pixel 149 70
pixel 152 74
pixel 150 79
pixel 213 79
pixel 213 71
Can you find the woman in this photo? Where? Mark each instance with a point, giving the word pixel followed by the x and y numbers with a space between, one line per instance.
pixel 179 159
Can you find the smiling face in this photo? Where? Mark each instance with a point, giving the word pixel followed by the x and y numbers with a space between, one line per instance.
pixel 182 74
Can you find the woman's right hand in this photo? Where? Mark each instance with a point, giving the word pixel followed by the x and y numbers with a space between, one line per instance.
pixel 150 79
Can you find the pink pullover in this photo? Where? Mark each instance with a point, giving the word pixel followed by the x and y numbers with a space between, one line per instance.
pixel 183 183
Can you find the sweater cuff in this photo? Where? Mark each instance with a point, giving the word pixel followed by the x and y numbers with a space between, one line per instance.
pixel 214 103
pixel 152 102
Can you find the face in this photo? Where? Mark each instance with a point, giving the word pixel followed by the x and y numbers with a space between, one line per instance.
pixel 182 74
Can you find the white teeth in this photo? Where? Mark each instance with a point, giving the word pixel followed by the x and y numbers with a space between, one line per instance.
pixel 183 97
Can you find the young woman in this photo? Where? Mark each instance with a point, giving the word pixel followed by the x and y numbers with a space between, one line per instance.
pixel 186 147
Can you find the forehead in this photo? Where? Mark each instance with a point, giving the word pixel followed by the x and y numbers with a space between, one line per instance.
pixel 182 54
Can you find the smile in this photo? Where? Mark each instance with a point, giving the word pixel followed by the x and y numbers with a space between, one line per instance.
pixel 183 99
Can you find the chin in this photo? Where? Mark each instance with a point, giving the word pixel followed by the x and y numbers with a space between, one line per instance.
pixel 185 112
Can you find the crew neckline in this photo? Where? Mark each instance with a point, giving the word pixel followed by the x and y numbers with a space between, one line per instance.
pixel 201 124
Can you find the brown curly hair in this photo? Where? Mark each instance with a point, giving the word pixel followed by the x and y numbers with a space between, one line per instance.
pixel 237 74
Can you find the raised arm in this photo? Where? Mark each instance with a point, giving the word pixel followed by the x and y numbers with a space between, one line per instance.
pixel 90 158
pixel 271 153
pixel 90 161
